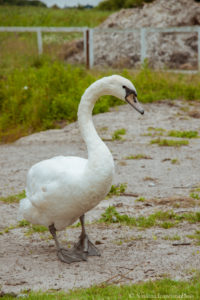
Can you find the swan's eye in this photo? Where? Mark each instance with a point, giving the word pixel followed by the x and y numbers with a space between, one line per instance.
pixel 124 86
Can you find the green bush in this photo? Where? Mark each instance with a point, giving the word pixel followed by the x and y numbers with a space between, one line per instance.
pixel 119 4
pixel 37 98
pixel 45 93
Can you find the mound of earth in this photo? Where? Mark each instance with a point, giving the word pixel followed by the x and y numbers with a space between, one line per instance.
pixel 175 50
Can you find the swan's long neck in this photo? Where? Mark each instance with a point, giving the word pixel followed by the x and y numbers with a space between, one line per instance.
pixel 96 147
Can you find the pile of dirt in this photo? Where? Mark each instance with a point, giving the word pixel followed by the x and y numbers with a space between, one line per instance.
pixel 175 50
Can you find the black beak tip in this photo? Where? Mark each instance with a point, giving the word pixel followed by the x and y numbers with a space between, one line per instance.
pixel 142 112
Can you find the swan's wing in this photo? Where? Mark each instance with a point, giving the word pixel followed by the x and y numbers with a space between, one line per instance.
pixel 52 180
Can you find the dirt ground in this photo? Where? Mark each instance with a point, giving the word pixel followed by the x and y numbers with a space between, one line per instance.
pixel 128 255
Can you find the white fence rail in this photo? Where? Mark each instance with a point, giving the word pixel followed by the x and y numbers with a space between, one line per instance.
pixel 88 37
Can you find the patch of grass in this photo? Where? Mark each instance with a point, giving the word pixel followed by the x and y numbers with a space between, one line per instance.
pixel 117 190
pixel 117 134
pixel 172 238
pixel 162 219
pixel 195 196
pixel 39 16
pixel 31 227
pixel 13 198
pixel 7 229
pixel 153 131
pixel 140 199
pixel 165 288
pixel 138 156
pixel 42 93
pixel 183 134
pixel 35 229
pixel 195 236
pixel 169 143
pixel 23 223
pixel 42 96
pixel 158 129
pixel 26 224
pixel 128 240
pixel 174 161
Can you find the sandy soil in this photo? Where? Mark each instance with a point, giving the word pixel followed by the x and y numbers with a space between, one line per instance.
pixel 128 255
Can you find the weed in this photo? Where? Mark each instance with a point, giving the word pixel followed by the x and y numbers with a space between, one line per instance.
pixel 183 134
pixel 26 224
pixel 195 196
pixel 35 229
pixel 117 134
pixel 117 190
pixel 163 219
pixel 104 129
pixel 138 156
pixel 152 131
pixel 39 16
pixel 23 223
pixel 174 161
pixel 39 94
pixel 13 198
pixel 164 288
pixel 140 199
pixel 172 238
pixel 169 143
pixel 167 225
pixel 7 229
pixel 195 236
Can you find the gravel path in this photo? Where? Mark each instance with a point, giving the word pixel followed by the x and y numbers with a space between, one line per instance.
pixel 128 254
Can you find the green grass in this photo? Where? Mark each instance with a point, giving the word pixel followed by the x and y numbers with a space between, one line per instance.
pixel 13 198
pixel 169 143
pixel 195 236
pixel 174 161
pixel 138 156
pixel 43 96
pixel 140 199
pixel 31 228
pixel 117 134
pixel 39 16
pixel 117 190
pixel 195 196
pixel 172 238
pixel 162 219
pixel 40 93
pixel 165 288
pixel 183 134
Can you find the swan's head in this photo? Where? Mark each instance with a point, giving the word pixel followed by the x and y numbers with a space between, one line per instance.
pixel 123 89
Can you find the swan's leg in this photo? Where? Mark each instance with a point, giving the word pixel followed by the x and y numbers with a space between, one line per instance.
pixel 84 244
pixel 64 255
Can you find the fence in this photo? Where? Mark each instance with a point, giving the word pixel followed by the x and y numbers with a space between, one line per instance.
pixel 88 37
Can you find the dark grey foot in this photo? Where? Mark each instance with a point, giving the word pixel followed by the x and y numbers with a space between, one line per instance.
pixel 70 256
pixel 85 246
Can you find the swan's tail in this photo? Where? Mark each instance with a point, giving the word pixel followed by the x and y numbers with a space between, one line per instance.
pixel 27 211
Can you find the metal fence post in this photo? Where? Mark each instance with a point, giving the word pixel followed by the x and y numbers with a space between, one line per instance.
pixel 85 45
pixel 198 43
pixel 87 49
pixel 143 44
pixel 39 41
pixel 91 49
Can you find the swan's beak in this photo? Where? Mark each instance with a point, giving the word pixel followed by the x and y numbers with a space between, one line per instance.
pixel 133 101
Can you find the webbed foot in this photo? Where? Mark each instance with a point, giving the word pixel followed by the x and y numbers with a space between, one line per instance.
pixel 70 256
pixel 84 245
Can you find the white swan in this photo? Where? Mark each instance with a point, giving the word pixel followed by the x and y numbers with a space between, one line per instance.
pixel 62 189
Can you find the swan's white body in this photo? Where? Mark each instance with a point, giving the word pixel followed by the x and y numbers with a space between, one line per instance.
pixel 61 189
